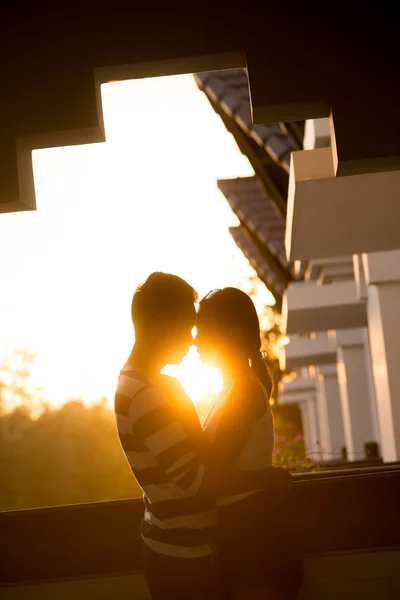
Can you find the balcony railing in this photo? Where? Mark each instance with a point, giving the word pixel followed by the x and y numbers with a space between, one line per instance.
pixel 347 523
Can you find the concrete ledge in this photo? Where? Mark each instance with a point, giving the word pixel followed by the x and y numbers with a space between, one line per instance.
pixel 332 216
pixel 382 267
pixel 311 307
pixel 301 352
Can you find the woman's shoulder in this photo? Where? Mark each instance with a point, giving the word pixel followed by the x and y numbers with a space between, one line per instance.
pixel 248 383
pixel 248 392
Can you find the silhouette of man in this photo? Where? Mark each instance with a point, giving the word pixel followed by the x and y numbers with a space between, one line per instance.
pixel 163 441
pixel 161 436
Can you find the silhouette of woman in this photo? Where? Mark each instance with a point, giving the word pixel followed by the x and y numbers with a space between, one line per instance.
pixel 256 555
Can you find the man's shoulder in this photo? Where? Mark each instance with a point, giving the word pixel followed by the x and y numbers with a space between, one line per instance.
pixel 136 391
pixel 170 384
pixel 173 387
pixel 131 381
pixel 179 398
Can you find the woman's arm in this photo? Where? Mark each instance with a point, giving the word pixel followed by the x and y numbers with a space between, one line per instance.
pixel 219 477
pixel 245 405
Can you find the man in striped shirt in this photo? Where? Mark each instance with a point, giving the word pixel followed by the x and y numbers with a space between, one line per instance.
pixel 161 436
pixel 163 441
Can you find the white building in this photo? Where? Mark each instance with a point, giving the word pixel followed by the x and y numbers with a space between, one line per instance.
pixel 336 304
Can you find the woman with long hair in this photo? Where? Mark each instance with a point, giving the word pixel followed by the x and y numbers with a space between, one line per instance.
pixel 257 557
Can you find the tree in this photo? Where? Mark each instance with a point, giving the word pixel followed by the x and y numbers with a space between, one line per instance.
pixel 54 457
pixel 15 383
pixel 64 456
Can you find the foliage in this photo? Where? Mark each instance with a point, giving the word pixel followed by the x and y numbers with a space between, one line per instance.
pixel 65 456
pixel 54 457
pixel 289 454
pixel 72 454
pixel 289 451
pixel 15 386
pixel 270 344
pixel 270 325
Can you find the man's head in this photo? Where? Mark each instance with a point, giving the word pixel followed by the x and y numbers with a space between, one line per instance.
pixel 164 315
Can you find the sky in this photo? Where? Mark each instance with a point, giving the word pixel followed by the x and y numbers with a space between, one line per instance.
pixel 107 216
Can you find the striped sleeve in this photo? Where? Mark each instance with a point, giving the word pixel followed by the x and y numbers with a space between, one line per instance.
pixel 154 423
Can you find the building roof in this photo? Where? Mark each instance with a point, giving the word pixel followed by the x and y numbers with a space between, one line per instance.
pixel 261 233
pixel 258 261
pixel 256 211
pixel 268 147
pixel 259 202
pixel 230 89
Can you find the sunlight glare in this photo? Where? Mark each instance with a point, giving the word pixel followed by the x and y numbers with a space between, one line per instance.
pixel 199 382
pixel 108 215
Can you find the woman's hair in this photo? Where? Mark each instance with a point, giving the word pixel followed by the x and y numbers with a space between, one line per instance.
pixel 231 308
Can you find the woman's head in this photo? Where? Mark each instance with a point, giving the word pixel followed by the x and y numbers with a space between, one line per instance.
pixel 228 331
pixel 227 326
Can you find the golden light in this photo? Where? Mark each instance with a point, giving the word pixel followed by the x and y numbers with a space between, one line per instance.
pixel 201 383
pixel 108 215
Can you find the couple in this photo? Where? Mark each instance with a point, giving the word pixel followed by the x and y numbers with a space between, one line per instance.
pixel 211 526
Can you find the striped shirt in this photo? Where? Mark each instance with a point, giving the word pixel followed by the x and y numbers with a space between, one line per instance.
pixel 160 434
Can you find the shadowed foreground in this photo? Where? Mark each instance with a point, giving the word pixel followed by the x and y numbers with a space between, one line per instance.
pixel 347 524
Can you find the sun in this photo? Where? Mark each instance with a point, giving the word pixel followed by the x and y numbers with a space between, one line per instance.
pixel 199 382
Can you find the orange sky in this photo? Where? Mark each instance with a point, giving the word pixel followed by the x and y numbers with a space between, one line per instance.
pixel 109 214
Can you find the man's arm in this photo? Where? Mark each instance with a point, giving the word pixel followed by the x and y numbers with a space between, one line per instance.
pixel 159 426
pixel 185 458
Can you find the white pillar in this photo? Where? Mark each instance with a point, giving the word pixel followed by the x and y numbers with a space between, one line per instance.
pixel 356 394
pixel 305 422
pixel 302 391
pixel 314 445
pixel 329 412
pixel 359 278
pixel 362 291
pixel 371 384
pixel 382 274
pixel 313 421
